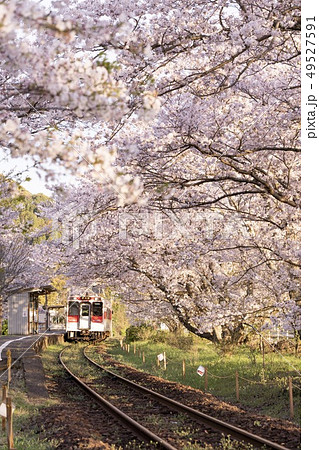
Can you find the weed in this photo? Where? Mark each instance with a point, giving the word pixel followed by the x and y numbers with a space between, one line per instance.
pixel 262 382
pixel 25 410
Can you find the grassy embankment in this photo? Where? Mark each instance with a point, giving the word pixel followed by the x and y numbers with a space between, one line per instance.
pixel 26 409
pixel 263 383
pixel 268 394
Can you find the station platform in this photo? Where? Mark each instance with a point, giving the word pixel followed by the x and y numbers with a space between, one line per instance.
pixel 26 360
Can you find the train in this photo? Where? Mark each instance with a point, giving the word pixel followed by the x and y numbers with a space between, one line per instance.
pixel 89 317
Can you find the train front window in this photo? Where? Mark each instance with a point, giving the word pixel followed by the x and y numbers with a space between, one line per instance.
pixel 85 310
pixel 73 309
pixel 97 309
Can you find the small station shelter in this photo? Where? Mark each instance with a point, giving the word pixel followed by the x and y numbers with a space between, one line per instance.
pixel 24 314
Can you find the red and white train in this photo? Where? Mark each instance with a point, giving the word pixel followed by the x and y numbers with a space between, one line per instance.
pixel 88 317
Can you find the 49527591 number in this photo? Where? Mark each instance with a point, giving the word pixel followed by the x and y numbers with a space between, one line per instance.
pixel 310 47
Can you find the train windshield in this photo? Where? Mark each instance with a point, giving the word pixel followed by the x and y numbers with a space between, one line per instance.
pixel 85 309
pixel 97 309
pixel 73 309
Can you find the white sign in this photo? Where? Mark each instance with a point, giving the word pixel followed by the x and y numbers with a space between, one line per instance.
pixel 3 409
pixel 160 357
pixel 201 370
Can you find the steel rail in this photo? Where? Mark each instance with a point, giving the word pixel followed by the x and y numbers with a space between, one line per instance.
pixel 218 425
pixel 135 427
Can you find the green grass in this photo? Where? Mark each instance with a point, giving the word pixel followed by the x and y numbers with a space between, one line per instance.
pixel 24 437
pixel 264 389
pixel 268 395
pixel 26 409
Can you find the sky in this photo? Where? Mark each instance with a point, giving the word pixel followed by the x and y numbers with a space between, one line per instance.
pixel 17 165
pixel 25 166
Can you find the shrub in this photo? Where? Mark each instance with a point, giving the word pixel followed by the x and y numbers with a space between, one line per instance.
pixel 160 336
pixel 140 333
pixel 5 326
pixel 180 341
pixel 147 332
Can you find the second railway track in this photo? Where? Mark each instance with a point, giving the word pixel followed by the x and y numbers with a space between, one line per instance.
pixel 173 425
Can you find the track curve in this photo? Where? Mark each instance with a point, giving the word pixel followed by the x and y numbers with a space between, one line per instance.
pixel 138 429
pixel 214 423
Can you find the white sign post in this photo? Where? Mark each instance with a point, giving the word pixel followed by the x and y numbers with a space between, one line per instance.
pixel 3 409
pixel 201 371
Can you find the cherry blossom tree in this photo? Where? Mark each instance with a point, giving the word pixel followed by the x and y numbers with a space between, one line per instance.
pixel 183 112
pixel 173 265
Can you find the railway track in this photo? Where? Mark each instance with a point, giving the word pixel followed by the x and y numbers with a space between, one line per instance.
pixel 212 429
pixel 141 432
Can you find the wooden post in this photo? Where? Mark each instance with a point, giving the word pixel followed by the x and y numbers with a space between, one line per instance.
pixel 183 368
pixel 237 386
pixel 164 360
pixel 291 398
pixel 46 311
pixel 9 424
pixel 121 343
pixel 206 379
pixel 143 357
pixel 9 361
pixel 263 352
pixel 134 348
pixel 128 348
pixel 4 397
pixel 158 362
pixel 1 314
pixel 33 331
